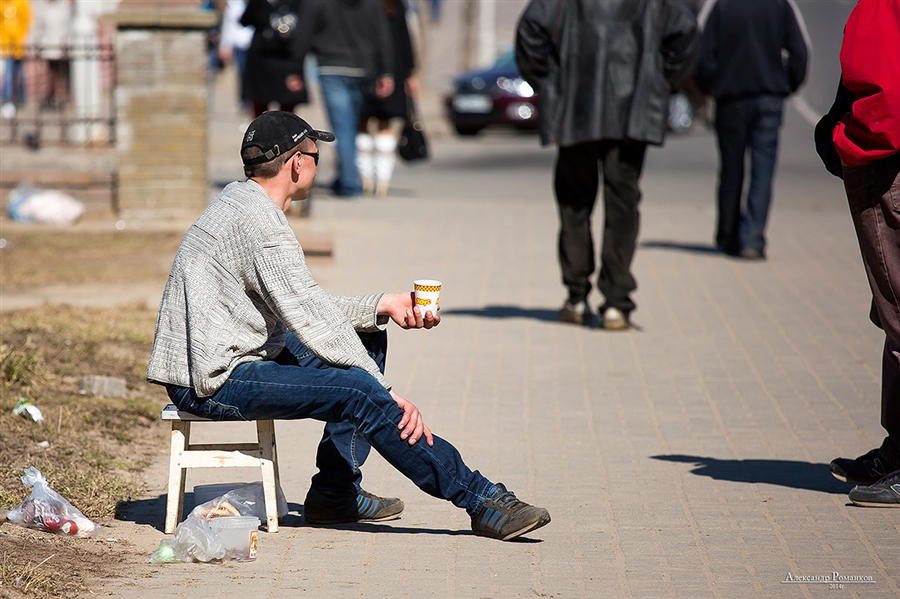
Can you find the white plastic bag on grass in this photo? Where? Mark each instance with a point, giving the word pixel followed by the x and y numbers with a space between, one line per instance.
pixel 47 510
pixel 46 206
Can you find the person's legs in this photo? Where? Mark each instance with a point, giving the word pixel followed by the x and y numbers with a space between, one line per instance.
pixel 343 98
pixel 732 133
pixel 874 196
pixel 623 162
pixel 385 156
pixel 763 156
pixel 271 390
pixel 13 81
pixel 365 155
pixel 6 93
pixel 873 193
pixel 341 451
pixel 576 181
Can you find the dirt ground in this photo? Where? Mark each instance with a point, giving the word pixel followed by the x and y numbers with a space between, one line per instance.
pixel 92 450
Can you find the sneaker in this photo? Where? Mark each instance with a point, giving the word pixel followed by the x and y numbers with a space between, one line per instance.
pixel 867 469
pixel 504 517
pixel 365 507
pixel 751 254
pixel 579 313
pixel 884 493
pixel 615 320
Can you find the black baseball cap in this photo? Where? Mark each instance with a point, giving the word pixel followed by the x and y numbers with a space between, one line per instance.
pixel 276 132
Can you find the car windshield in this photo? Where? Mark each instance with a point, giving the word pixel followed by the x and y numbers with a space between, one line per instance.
pixel 506 60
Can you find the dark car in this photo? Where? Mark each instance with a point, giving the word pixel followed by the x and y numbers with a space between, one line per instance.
pixel 495 96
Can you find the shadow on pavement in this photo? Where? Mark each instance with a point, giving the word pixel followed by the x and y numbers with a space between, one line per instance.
pixel 784 473
pixel 504 312
pixel 695 248
pixel 152 512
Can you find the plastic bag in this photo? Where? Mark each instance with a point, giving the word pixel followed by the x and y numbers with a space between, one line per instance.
pixel 194 541
pixel 246 500
pixel 47 206
pixel 47 510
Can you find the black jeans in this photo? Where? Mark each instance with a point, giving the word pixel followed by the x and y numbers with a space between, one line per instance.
pixel 577 181
pixel 742 124
pixel 873 192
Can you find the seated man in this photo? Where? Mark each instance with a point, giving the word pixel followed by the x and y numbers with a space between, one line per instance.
pixel 245 333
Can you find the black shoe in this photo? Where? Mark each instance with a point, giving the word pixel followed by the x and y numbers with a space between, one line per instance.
pixel 579 313
pixel 884 493
pixel 867 469
pixel 365 507
pixel 504 517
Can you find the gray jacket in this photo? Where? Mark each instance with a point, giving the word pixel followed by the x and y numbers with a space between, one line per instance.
pixel 238 281
pixel 604 70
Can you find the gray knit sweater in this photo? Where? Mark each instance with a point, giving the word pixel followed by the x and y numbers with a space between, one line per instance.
pixel 239 279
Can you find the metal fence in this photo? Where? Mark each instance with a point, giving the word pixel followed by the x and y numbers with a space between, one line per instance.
pixel 58 95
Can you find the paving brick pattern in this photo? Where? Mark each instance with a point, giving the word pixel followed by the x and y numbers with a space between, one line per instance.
pixel 687 459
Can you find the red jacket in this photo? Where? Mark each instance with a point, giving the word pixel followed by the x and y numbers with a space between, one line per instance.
pixel 870 65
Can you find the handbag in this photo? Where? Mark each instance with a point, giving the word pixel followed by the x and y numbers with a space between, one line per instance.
pixel 279 32
pixel 412 144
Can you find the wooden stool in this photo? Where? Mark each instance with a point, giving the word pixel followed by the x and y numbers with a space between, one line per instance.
pixel 184 455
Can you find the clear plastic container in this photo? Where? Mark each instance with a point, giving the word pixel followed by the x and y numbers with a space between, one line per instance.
pixel 239 536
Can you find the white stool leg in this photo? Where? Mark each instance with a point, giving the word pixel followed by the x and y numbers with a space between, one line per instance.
pixel 181 438
pixel 265 430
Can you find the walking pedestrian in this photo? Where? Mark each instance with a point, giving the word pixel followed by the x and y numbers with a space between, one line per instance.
pixel 604 71
pixel 51 33
pixel 269 60
pixel 859 141
pixel 15 20
pixel 234 43
pixel 752 55
pixel 376 154
pixel 351 41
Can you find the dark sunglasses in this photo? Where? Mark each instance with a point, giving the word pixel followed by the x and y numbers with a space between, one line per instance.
pixel 315 156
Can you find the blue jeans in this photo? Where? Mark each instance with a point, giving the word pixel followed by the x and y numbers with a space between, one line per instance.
pixel 343 96
pixel 741 124
pixel 13 81
pixel 359 411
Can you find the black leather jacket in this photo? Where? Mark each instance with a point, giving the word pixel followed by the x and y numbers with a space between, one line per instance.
pixel 604 70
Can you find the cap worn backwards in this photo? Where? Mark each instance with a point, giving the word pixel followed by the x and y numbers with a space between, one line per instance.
pixel 277 132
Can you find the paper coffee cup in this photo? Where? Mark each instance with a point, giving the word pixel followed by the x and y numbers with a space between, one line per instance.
pixel 428 292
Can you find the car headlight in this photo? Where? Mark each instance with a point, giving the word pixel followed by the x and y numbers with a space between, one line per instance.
pixel 516 87
pixel 523 88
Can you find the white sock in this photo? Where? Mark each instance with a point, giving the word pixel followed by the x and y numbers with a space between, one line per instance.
pixel 365 146
pixel 385 158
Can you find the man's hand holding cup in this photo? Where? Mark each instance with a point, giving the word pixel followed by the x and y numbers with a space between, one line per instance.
pixel 414 310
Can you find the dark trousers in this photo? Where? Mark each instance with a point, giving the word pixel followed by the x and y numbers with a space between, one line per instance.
pixel 873 192
pixel 742 124
pixel 577 181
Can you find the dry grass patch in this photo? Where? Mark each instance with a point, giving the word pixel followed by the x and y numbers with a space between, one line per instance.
pixel 90 449
pixel 36 257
